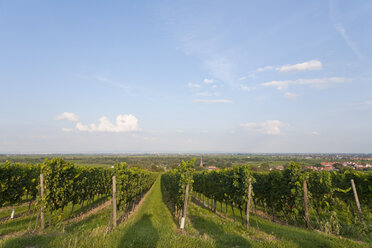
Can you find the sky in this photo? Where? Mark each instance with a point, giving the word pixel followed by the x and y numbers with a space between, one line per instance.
pixel 186 76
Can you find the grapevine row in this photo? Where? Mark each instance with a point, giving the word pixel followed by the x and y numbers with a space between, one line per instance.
pixel 66 183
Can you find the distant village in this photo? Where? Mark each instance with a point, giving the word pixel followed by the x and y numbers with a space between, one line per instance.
pixel 333 166
pixel 323 166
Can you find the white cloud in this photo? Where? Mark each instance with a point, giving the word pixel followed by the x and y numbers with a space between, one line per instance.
pixel 67 129
pixel 214 86
pixel 208 81
pixel 266 68
pixel 315 82
pixel 203 94
pixel 191 85
pixel 310 65
pixel 306 66
pixel 81 127
pixel 246 88
pixel 124 123
pixel 68 116
pixel 213 101
pixel 291 96
pixel 271 127
pixel 314 133
pixel 251 75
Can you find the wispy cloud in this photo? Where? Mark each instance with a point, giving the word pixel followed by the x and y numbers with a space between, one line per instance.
pixel 290 96
pixel 361 104
pixel 335 18
pixel 68 116
pixel 67 129
pixel 314 133
pixel 311 65
pixel 212 101
pixel 266 68
pixel 315 82
pixel 220 67
pixel 191 85
pixel 246 88
pixel 111 82
pixel 208 81
pixel 270 127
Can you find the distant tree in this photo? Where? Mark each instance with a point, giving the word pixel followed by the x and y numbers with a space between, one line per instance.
pixel 338 166
pixel 265 166
pixel 174 166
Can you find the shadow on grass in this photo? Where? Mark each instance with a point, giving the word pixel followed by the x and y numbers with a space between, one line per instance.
pixel 27 240
pixel 141 234
pixel 165 199
pixel 16 225
pixel 303 238
pixel 201 205
pixel 216 232
pixel 51 236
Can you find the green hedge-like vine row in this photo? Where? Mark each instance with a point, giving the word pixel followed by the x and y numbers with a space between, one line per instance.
pixel 174 182
pixel 280 193
pixel 16 180
pixel 66 183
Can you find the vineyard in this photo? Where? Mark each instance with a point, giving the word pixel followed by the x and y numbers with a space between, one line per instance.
pixel 254 204
pixel 314 199
pixel 56 184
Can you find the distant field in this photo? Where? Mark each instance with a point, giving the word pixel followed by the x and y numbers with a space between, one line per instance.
pixel 258 162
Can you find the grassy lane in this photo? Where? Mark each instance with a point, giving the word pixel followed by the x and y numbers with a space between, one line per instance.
pixel 152 226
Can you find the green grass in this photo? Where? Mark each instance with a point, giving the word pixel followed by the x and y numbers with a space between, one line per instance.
pixel 290 235
pixel 153 226
pixel 26 221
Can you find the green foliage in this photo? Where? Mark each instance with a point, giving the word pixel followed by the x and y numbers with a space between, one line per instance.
pixel 17 180
pixel 228 185
pixel 131 183
pixel 175 181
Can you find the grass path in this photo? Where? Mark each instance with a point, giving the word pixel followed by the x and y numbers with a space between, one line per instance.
pixel 152 226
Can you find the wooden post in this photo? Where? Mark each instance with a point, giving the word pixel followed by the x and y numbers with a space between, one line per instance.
pixel 305 206
pixel 37 219
pixel 114 201
pixel 42 220
pixel 184 211
pixel 357 201
pixel 249 201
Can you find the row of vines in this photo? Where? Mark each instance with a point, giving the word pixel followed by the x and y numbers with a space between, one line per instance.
pixel 68 184
pixel 280 194
pixel 177 183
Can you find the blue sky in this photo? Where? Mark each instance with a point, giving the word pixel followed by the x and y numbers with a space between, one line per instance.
pixel 185 76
